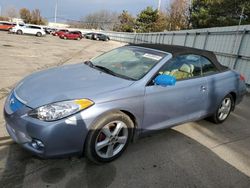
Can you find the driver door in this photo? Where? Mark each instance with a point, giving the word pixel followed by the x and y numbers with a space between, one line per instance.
pixel 185 101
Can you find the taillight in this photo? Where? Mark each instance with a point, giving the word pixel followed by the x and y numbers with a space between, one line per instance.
pixel 242 78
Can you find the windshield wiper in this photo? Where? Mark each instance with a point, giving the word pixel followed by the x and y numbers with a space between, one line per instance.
pixel 89 63
pixel 105 69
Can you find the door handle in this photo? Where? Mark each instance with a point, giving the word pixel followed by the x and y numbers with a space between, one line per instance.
pixel 203 88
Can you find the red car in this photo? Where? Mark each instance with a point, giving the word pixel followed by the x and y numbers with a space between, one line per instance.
pixel 6 26
pixel 73 35
pixel 60 32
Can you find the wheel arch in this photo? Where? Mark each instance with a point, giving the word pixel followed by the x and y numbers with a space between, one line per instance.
pixel 234 95
pixel 133 118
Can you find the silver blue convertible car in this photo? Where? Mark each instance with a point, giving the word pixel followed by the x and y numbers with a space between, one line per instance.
pixel 97 107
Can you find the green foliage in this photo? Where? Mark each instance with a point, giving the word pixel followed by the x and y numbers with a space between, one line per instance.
pixel 146 19
pixel 215 13
pixel 126 22
pixel 33 17
pixel 150 20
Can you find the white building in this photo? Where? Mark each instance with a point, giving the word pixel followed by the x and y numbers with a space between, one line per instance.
pixel 57 25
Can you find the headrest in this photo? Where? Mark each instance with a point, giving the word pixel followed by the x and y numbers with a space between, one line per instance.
pixel 185 68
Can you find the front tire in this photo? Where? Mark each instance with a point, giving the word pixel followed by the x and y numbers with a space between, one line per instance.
pixel 39 34
pixel 223 110
pixel 109 137
pixel 19 32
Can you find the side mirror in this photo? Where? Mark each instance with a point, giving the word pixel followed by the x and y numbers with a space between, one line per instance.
pixel 165 80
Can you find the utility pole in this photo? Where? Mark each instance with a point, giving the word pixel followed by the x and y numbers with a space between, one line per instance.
pixel 241 15
pixel 56 10
pixel 0 10
pixel 159 5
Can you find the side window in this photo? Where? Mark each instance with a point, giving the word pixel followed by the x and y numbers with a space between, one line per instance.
pixel 34 27
pixel 183 67
pixel 207 67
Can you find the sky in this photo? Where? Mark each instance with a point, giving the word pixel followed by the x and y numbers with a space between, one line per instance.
pixel 76 9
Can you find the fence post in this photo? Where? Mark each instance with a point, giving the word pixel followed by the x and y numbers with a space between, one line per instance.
pixel 239 48
pixel 205 41
pixel 151 40
pixel 135 38
pixel 172 40
pixel 194 39
pixel 185 40
pixel 163 38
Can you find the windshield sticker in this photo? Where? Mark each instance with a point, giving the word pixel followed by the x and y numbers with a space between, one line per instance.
pixel 152 56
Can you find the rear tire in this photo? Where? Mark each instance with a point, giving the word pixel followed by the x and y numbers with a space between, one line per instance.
pixel 223 110
pixel 109 137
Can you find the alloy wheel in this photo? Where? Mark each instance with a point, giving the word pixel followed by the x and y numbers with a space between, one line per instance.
pixel 224 109
pixel 111 139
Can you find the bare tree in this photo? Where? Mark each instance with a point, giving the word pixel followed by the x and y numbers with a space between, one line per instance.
pixel 10 12
pixel 25 15
pixel 102 19
pixel 178 15
pixel 36 17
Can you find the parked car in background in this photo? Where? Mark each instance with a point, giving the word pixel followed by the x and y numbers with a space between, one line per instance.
pixel 73 35
pixel 97 107
pixel 28 29
pixel 6 26
pixel 49 30
pixel 60 32
pixel 88 35
pixel 100 36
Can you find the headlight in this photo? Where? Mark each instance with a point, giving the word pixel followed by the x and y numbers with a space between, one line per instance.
pixel 59 110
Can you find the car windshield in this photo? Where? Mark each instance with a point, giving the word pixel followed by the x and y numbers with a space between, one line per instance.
pixel 128 62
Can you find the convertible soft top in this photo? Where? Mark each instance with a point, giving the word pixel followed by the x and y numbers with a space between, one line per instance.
pixel 178 50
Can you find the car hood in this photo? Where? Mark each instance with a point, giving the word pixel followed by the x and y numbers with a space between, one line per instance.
pixel 65 83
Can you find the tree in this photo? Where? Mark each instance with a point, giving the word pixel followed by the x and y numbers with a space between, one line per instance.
pixel 25 15
pixel 150 20
pixel 145 20
pixel 102 19
pixel 126 22
pixel 33 17
pixel 178 15
pixel 11 12
pixel 161 22
pixel 36 17
pixel 207 13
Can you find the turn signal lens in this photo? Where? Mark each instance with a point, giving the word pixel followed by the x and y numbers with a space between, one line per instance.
pixel 242 78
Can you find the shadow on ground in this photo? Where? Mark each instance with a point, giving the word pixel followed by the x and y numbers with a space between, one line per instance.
pixel 166 159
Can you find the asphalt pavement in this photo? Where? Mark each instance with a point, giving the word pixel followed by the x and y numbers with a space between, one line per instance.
pixel 196 154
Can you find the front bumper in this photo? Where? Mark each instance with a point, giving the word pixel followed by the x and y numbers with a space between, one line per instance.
pixel 59 138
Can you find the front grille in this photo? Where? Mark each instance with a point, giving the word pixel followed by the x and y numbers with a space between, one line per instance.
pixel 14 103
